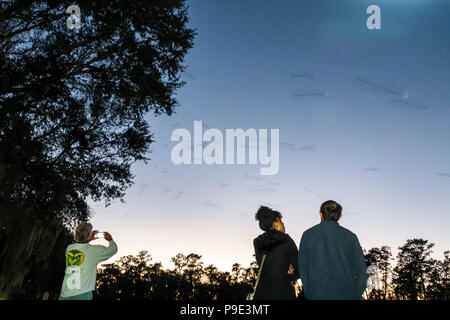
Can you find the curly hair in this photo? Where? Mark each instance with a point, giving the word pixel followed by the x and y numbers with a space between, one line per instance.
pixel 266 216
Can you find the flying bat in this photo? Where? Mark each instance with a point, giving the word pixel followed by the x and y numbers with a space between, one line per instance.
pixel 312 94
pixel 385 89
pixel 415 105
pixel 296 147
pixel 211 204
pixel 166 190
pixel 262 189
pixel 143 187
pixel 372 169
pixel 310 147
pixel 315 193
pixel 178 195
pixel 443 174
pixel 302 75
pixel 251 177
pixel 190 76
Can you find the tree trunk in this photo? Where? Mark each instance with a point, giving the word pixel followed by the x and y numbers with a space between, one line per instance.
pixel 28 242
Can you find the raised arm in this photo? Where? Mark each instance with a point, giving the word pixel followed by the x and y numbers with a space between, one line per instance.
pixel 104 253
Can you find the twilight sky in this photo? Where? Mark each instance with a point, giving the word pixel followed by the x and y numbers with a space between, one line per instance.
pixel 373 133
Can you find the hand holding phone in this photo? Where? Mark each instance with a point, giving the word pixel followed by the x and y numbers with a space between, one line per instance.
pixel 100 235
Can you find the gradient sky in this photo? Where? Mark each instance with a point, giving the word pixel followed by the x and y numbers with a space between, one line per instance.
pixel 239 76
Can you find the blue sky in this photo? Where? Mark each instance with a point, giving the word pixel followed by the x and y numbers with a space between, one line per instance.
pixel 378 158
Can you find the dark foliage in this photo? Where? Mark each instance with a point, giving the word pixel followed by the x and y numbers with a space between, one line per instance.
pixel 136 277
pixel 416 276
pixel 72 111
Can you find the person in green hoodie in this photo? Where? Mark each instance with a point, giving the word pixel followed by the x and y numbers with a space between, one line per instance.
pixel 82 259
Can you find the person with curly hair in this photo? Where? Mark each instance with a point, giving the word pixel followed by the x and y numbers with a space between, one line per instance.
pixel 279 267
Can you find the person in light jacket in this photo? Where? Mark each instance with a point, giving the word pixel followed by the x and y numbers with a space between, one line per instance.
pixel 82 259
pixel 331 261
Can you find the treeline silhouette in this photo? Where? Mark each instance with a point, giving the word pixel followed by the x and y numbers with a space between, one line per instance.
pixel 415 276
pixel 136 277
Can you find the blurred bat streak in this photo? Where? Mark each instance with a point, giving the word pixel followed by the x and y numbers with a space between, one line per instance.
pixel 286 144
pixel 312 94
pixel 302 75
pixel 166 190
pixel 314 193
pixel 310 147
pixel 296 147
pixel 372 169
pixel 262 189
pixel 178 195
pixel 190 76
pixel 143 187
pixel 252 177
pixel 375 85
pixel 213 205
pixel 443 174
pixel 418 106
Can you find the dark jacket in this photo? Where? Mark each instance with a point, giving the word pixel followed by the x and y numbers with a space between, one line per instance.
pixel 280 251
pixel 331 263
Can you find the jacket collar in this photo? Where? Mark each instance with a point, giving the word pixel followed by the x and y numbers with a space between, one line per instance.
pixel 328 222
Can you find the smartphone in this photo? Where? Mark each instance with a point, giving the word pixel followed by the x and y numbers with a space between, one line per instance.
pixel 100 235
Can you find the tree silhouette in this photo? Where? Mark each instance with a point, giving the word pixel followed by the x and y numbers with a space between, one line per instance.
pixel 46 276
pixel 137 278
pixel 413 267
pixel 381 257
pixel 72 107
pixel 439 279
